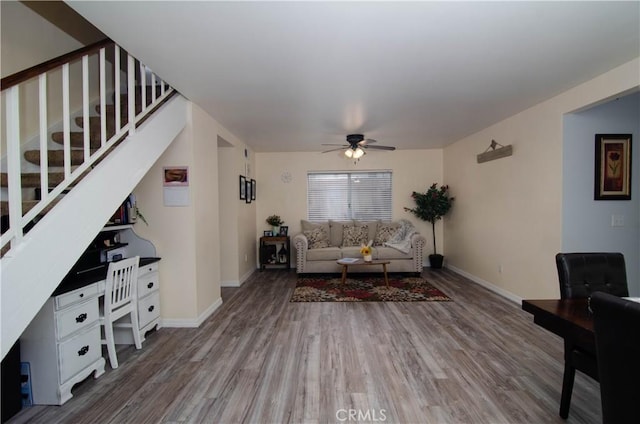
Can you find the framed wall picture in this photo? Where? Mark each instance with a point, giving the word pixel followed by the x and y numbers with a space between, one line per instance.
pixel 243 188
pixel 173 176
pixel 613 167
pixel 253 189
pixel 248 191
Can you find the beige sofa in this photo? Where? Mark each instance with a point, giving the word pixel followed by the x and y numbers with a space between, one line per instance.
pixel 320 245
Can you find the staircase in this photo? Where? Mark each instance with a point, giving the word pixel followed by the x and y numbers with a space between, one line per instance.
pixel 50 213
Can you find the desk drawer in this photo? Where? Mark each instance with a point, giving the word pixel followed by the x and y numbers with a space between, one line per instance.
pixel 143 270
pixel 79 352
pixel 148 283
pixel 78 295
pixel 76 317
pixel 149 308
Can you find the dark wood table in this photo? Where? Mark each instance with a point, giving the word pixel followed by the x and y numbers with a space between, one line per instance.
pixel 567 318
pixel 571 320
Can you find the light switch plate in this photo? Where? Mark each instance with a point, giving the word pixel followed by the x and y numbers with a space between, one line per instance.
pixel 617 220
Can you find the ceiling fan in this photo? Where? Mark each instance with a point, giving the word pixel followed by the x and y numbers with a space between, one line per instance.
pixel 356 146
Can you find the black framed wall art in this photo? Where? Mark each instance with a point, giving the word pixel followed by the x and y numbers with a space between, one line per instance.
pixel 243 188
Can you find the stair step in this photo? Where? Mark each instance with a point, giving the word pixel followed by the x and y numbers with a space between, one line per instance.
pixel 77 138
pixel 32 180
pixel 56 157
pixel 95 124
pixel 27 205
pixel 124 109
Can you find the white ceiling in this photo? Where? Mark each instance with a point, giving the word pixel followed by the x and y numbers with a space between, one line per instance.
pixel 288 76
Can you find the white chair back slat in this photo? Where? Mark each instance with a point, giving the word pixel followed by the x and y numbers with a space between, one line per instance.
pixel 121 281
pixel 120 299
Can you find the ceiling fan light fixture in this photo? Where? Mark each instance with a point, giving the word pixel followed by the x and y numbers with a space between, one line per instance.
pixel 357 153
pixel 348 153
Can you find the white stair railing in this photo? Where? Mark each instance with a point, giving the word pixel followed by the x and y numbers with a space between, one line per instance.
pixel 92 60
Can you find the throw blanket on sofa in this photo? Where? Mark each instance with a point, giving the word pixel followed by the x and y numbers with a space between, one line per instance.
pixel 401 240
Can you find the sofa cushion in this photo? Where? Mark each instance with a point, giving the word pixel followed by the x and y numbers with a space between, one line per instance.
pixel 355 235
pixel 336 230
pixel 324 254
pixel 373 227
pixel 308 226
pixel 381 252
pixel 351 252
pixel 384 232
pixel 317 238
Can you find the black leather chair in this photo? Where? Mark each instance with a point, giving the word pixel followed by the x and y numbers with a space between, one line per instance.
pixel 617 327
pixel 580 275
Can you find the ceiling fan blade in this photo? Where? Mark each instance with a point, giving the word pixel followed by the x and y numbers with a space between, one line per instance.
pixel 333 150
pixel 334 144
pixel 366 142
pixel 380 147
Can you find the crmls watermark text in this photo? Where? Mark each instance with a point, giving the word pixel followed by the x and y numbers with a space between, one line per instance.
pixel 374 415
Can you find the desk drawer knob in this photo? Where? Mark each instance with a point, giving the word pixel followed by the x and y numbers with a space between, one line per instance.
pixel 151 308
pixel 83 351
pixel 150 285
pixel 81 317
pixel 81 295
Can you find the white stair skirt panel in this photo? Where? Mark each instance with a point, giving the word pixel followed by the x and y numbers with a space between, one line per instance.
pixel 32 271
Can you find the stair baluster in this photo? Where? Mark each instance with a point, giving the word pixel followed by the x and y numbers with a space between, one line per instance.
pixel 80 150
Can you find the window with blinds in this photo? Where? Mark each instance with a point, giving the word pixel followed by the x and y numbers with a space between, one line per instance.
pixel 349 195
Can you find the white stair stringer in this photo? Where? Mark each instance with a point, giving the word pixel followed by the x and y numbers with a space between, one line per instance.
pixel 30 272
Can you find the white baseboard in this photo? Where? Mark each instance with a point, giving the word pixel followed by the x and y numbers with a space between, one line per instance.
pixel 498 290
pixel 230 283
pixel 193 323
pixel 247 275
pixel 237 283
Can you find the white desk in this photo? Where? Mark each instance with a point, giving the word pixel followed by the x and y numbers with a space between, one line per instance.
pixel 62 343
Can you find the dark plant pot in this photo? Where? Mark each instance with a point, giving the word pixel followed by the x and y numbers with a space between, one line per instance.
pixel 436 261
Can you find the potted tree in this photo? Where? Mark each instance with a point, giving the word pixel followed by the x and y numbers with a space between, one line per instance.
pixel 432 206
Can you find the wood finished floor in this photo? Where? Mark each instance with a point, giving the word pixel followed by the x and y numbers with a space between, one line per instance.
pixel 261 359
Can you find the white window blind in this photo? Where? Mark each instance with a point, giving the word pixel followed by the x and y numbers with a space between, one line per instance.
pixel 349 195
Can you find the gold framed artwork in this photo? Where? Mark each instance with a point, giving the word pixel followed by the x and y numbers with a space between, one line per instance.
pixel 613 167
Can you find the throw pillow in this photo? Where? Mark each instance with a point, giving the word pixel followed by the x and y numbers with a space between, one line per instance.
pixel 337 231
pixel 384 233
pixel 373 227
pixel 308 226
pixel 355 235
pixel 317 238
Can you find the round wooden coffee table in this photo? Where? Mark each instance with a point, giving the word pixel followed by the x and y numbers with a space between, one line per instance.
pixel 346 263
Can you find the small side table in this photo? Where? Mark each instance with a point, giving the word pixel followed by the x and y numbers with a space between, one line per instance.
pixel 272 253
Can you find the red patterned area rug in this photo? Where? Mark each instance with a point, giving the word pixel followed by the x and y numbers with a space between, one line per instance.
pixel 366 289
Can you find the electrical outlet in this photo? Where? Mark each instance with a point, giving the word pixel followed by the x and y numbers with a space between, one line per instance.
pixel 499 269
pixel 246 257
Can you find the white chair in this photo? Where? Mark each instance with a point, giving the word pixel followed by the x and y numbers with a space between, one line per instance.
pixel 120 299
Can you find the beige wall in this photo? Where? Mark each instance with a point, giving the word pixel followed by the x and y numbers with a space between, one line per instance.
pixel 229 204
pixel 505 228
pixel 172 231
pixel 29 39
pixel 189 239
pixel 413 170
pixel 246 216
pixel 204 187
